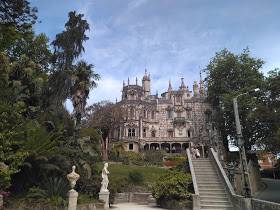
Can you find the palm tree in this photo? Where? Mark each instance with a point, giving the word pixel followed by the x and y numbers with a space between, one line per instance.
pixel 83 79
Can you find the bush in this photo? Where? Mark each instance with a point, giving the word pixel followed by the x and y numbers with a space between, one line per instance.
pixel 153 157
pixel 175 160
pixel 172 188
pixel 135 177
pixel 129 158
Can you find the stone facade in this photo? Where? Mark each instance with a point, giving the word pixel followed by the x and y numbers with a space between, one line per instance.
pixel 167 122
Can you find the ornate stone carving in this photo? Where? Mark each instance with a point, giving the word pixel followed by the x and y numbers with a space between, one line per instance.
pixel 73 177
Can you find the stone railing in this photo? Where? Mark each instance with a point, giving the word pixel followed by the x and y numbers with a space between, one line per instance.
pixel 240 202
pixel 195 196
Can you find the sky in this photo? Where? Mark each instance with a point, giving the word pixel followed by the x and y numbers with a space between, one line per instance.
pixel 170 38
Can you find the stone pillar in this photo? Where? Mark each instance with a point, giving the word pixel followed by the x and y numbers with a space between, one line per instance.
pixel 203 153
pixel 73 194
pixel 73 197
pixel 140 128
pixel 104 196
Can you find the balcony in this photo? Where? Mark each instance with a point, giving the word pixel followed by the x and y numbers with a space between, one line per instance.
pixel 179 120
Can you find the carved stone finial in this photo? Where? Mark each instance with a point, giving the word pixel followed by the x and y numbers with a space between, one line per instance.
pixel 73 177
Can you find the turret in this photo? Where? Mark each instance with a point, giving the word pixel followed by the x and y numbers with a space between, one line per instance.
pixel 183 86
pixel 146 84
pixel 169 90
pixel 195 89
pixel 201 87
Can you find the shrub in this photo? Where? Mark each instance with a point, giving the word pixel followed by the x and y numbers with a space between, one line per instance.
pixel 173 187
pixel 129 158
pixel 135 177
pixel 153 157
pixel 175 160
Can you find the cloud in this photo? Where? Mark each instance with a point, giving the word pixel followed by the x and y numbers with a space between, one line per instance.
pixel 172 39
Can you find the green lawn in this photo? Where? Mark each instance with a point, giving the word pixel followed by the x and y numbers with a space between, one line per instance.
pixel 150 173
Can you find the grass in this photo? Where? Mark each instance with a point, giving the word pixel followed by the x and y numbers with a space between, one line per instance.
pixel 150 173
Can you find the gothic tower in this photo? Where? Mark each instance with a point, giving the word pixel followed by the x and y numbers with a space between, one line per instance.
pixel 146 84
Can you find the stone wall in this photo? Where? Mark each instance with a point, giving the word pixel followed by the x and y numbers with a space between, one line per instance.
pixel 264 205
pixel 140 198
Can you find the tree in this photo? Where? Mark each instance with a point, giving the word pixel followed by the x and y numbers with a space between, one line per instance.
pixel 16 20
pixel 72 80
pixel 267 113
pixel 227 76
pixel 84 78
pixel 105 117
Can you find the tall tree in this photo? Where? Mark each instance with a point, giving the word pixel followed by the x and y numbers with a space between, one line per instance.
pixel 227 76
pixel 16 20
pixel 267 114
pixel 72 80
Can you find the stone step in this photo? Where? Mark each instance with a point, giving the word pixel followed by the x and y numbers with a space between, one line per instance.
pixel 209 182
pixel 214 202
pixel 214 207
pixel 206 173
pixel 211 191
pixel 214 197
pixel 204 186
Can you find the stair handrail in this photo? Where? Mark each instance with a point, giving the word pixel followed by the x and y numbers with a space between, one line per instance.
pixel 192 172
pixel 222 172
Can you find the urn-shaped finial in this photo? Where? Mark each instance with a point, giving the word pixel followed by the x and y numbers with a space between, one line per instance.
pixel 73 177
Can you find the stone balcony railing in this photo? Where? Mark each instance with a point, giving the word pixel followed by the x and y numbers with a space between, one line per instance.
pixel 157 139
pixel 179 120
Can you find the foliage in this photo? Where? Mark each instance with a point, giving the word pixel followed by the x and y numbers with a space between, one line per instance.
pixel 37 135
pixel 153 157
pixel 16 20
pixel 53 191
pixel 105 117
pixel 227 76
pixel 174 161
pixel 135 177
pixel 133 158
pixel 172 187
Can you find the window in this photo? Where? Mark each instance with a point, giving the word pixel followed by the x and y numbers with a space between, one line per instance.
pixel 189 133
pixel 144 132
pixel 145 114
pixel 153 115
pixel 131 132
pixel 130 146
pixel 170 133
pixel 178 99
pixel 169 114
pixel 153 133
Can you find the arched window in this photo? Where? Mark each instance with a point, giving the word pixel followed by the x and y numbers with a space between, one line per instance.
pixel 169 114
pixel 129 132
pixel 189 133
pixel 153 115
pixel 144 132
pixel 133 132
pixel 153 133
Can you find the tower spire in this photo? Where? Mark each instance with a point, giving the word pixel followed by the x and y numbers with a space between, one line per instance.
pixel 169 86
pixel 128 81
pixel 136 81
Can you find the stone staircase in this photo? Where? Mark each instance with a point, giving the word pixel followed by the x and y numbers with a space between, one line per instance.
pixel 212 191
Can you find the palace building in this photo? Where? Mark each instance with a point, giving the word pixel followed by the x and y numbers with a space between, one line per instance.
pixel 170 121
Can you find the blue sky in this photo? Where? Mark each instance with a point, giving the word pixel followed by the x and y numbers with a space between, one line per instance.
pixel 171 38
